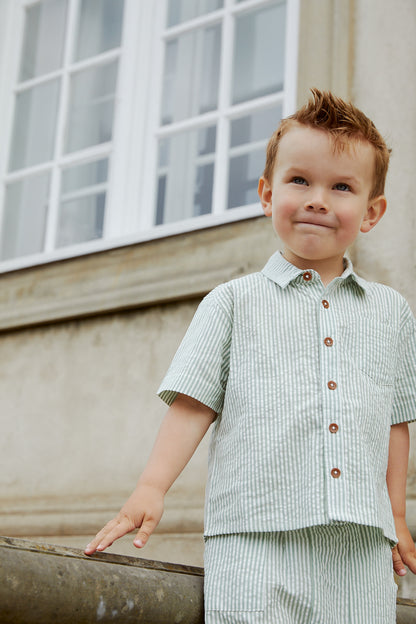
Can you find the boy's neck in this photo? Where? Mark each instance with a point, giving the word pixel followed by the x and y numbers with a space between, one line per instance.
pixel 328 268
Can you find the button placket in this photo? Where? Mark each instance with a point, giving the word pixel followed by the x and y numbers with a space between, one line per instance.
pixel 333 458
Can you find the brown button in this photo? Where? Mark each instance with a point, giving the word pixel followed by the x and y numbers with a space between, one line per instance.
pixel 325 303
pixel 307 276
pixel 332 385
pixel 329 342
pixel 335 473
pixel 333 427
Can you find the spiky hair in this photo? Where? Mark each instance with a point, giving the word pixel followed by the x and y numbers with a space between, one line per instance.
pixel 344 122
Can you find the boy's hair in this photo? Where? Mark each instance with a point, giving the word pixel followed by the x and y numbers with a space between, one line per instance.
pixel 344 122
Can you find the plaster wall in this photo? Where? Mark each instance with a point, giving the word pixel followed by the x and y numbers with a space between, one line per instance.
pixel 80 414
pixel 384 86
pixel 79 406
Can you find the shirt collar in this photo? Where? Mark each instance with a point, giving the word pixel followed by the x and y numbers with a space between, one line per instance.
pixel 279 270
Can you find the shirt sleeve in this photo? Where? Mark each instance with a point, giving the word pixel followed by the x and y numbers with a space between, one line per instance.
pixel 200 367
pixel 404 405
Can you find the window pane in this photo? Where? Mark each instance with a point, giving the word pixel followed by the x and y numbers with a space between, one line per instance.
pixel 34 125
pixel 91 107
pixel 43 39
pixel 81 220
pixel 259 49
pixel 183 10
pixel 185 175
pixel 191 75
pixel 244 175
pixel 24 219
pixel 84 176
pixel 254 127
pixel 82 205
pixel 249 136
pixel 99 29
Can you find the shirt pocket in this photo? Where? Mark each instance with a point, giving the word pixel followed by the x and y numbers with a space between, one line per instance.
pixel 371 347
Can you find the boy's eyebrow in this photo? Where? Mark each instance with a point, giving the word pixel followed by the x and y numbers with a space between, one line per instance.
pixel 348 178
pixel 296 169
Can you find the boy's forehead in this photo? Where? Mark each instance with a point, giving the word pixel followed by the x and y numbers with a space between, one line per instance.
pixel 301 141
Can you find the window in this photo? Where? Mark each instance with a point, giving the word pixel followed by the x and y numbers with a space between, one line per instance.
pixel 131 120
pixel 62 129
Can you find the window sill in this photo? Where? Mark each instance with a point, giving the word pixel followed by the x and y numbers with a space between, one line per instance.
pixel 177 267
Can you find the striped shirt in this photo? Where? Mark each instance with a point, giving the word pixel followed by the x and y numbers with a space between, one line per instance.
pixel 306 381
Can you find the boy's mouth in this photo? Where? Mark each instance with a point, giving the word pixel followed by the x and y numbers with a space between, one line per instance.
pixel 315 223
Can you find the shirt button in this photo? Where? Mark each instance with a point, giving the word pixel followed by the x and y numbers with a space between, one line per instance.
pixel 329 342
pixel 325 303
pixel 333 427
pixel 307 276
pixel 335 473
pixel 332 385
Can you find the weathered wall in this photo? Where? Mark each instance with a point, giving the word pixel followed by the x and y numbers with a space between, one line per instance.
pixel 79 405
pixel 384 86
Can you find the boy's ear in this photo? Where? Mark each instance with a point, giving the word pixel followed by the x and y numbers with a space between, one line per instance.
pixel 265 193
pixel 375 210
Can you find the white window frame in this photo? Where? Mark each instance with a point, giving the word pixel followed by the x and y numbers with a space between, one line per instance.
pixel 132 177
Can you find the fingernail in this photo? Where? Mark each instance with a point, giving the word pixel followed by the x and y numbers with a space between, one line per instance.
pixel 402 572
pixel 138 543
pixel 100 547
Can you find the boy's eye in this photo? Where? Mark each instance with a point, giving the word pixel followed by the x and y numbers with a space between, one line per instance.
pixel 298 180
pixel 342 186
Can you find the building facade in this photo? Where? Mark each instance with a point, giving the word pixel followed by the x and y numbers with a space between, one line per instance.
pixel 133 137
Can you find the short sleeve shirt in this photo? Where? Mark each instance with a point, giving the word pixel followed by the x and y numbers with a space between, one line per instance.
pixel 306 381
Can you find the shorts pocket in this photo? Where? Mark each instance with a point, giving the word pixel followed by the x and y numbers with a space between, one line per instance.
pixel 234 573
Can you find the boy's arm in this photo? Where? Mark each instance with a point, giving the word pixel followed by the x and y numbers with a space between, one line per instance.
pixel 182 429
pixel 405 551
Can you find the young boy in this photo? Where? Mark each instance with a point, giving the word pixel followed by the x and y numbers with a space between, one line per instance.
pixel 307 372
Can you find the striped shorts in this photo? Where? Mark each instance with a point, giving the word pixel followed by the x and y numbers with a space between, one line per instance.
pixel 339 573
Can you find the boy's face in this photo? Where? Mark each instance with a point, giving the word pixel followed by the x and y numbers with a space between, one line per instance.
pixel 319 198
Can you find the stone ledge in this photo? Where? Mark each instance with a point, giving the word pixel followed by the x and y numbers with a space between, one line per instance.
pixel 179 267
pixel 42 584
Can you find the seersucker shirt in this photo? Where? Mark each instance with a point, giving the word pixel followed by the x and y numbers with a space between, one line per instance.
pixel 306 381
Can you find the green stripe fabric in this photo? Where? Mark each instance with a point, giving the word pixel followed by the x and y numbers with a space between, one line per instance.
pixel 334 574
pixel 306 381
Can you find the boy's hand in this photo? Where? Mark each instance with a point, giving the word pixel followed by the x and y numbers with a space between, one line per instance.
pixel 405 551
pixel 185 424
pixel 143 510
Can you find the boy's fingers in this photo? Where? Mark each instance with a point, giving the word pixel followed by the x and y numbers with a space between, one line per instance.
pixel 145 532
pixel 98 539
pixel 410 561
pixel 113 530
pixel 101 542
pixel 397 562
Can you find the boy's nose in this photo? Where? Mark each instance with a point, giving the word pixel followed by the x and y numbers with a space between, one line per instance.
pixel 316 204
